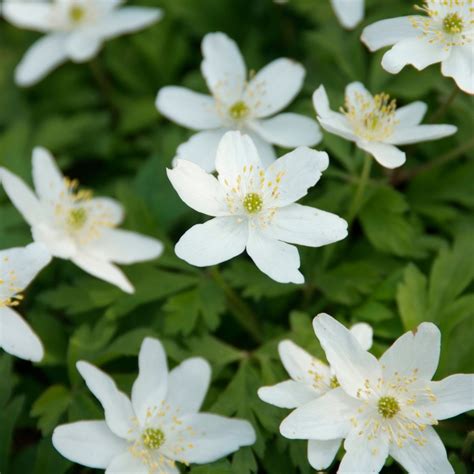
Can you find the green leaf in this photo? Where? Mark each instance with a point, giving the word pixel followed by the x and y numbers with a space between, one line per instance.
pixel 50 406
pixel 412 298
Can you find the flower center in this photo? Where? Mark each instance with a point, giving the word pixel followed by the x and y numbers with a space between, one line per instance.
pixel 453 24
pixel 239 110
pixel 153 438
pixel 77 218
pixel 334 383
pixel 388 407
pixel 253 203
pixel 372 118
pixel 76 13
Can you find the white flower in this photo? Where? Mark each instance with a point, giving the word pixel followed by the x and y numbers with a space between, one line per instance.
pixel 18 267
pixel 310 379
pixel 349 12
pixel 158 427
pixel 254 208
pixel 375 124
pixel 444 35
pixel 238 103
pixel 75 30
pixel 75 226
pixel 385 407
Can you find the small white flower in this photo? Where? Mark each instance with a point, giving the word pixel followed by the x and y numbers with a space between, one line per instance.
pixel 444 35
pixel 159 427
pixel 254 208
pixel 310 379
pixel 18 267
pixel 75 226
pixel 75 30
pixel 383 407
pixel 238 103
pixel 349 12
pixel 376 125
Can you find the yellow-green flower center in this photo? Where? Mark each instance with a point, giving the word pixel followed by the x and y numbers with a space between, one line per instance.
pixel 239 110
pixel 153 438
pixel 388 407
pixel 77 218
pixel 76 13
pixel 453 24
pixel 253 203
pixel 334 383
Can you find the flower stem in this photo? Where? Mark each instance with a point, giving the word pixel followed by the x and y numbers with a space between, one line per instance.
pixel 241 311
pixel 362 184
pixel 103 83
pixel 443 108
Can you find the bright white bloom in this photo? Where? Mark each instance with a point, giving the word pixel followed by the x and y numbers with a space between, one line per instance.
pixel 75 226
pixel 18 267
pixel 158 427
pixel 444 35
pixel 254 208
pixel 349 12
pixel 75 30
pixel 375 124
pixel 238 103
pixel 310 378
pixel 383 407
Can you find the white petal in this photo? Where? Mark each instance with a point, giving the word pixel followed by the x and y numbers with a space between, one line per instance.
pixel 123 246
pixel 126 463
pixel 287 394
pixel 44 56
pixel 223 67
pixel 459 66
pixel 234 153
pixel 289 130
pixel 149 389
pixel 420 133
pixel 31 15
pixel 128 20
pixel 89 443
pixel 198 189
pixel 104 270
pixel 188 384
pixel 19 266
pixel 59 243
pixel 430 457
pixel 49 182
pixel 278 260
pixel 354 366
pixel 387 32
pixel 325 418
pixel 364 455
pixel 304 225
pixel 300 365
pixel 454 395
pixel 265 150
pixel 418 52
pixel 117 407
pixel 332 122
pixel 295 172
pixel 411 114
pixel 190 109
pixel 108 206
pixel 17 337
pixel 363 332
pixel 201 149
pixel 321 454
pixel 210 437
pixel 274 87
pixel 22 197
pixel 82 45
pixel 354 90
pixel 349 12
pixel 387 155
pixel 415 351
pixel 213 242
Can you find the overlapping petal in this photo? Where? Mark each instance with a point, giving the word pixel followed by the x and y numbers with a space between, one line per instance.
pixel 388 32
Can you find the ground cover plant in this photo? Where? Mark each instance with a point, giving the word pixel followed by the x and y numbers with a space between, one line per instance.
pixel 386 236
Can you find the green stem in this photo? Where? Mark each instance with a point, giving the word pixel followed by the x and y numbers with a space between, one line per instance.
pixel 241 311
pixel 103 83
pixel 443 108
pixel 362 184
